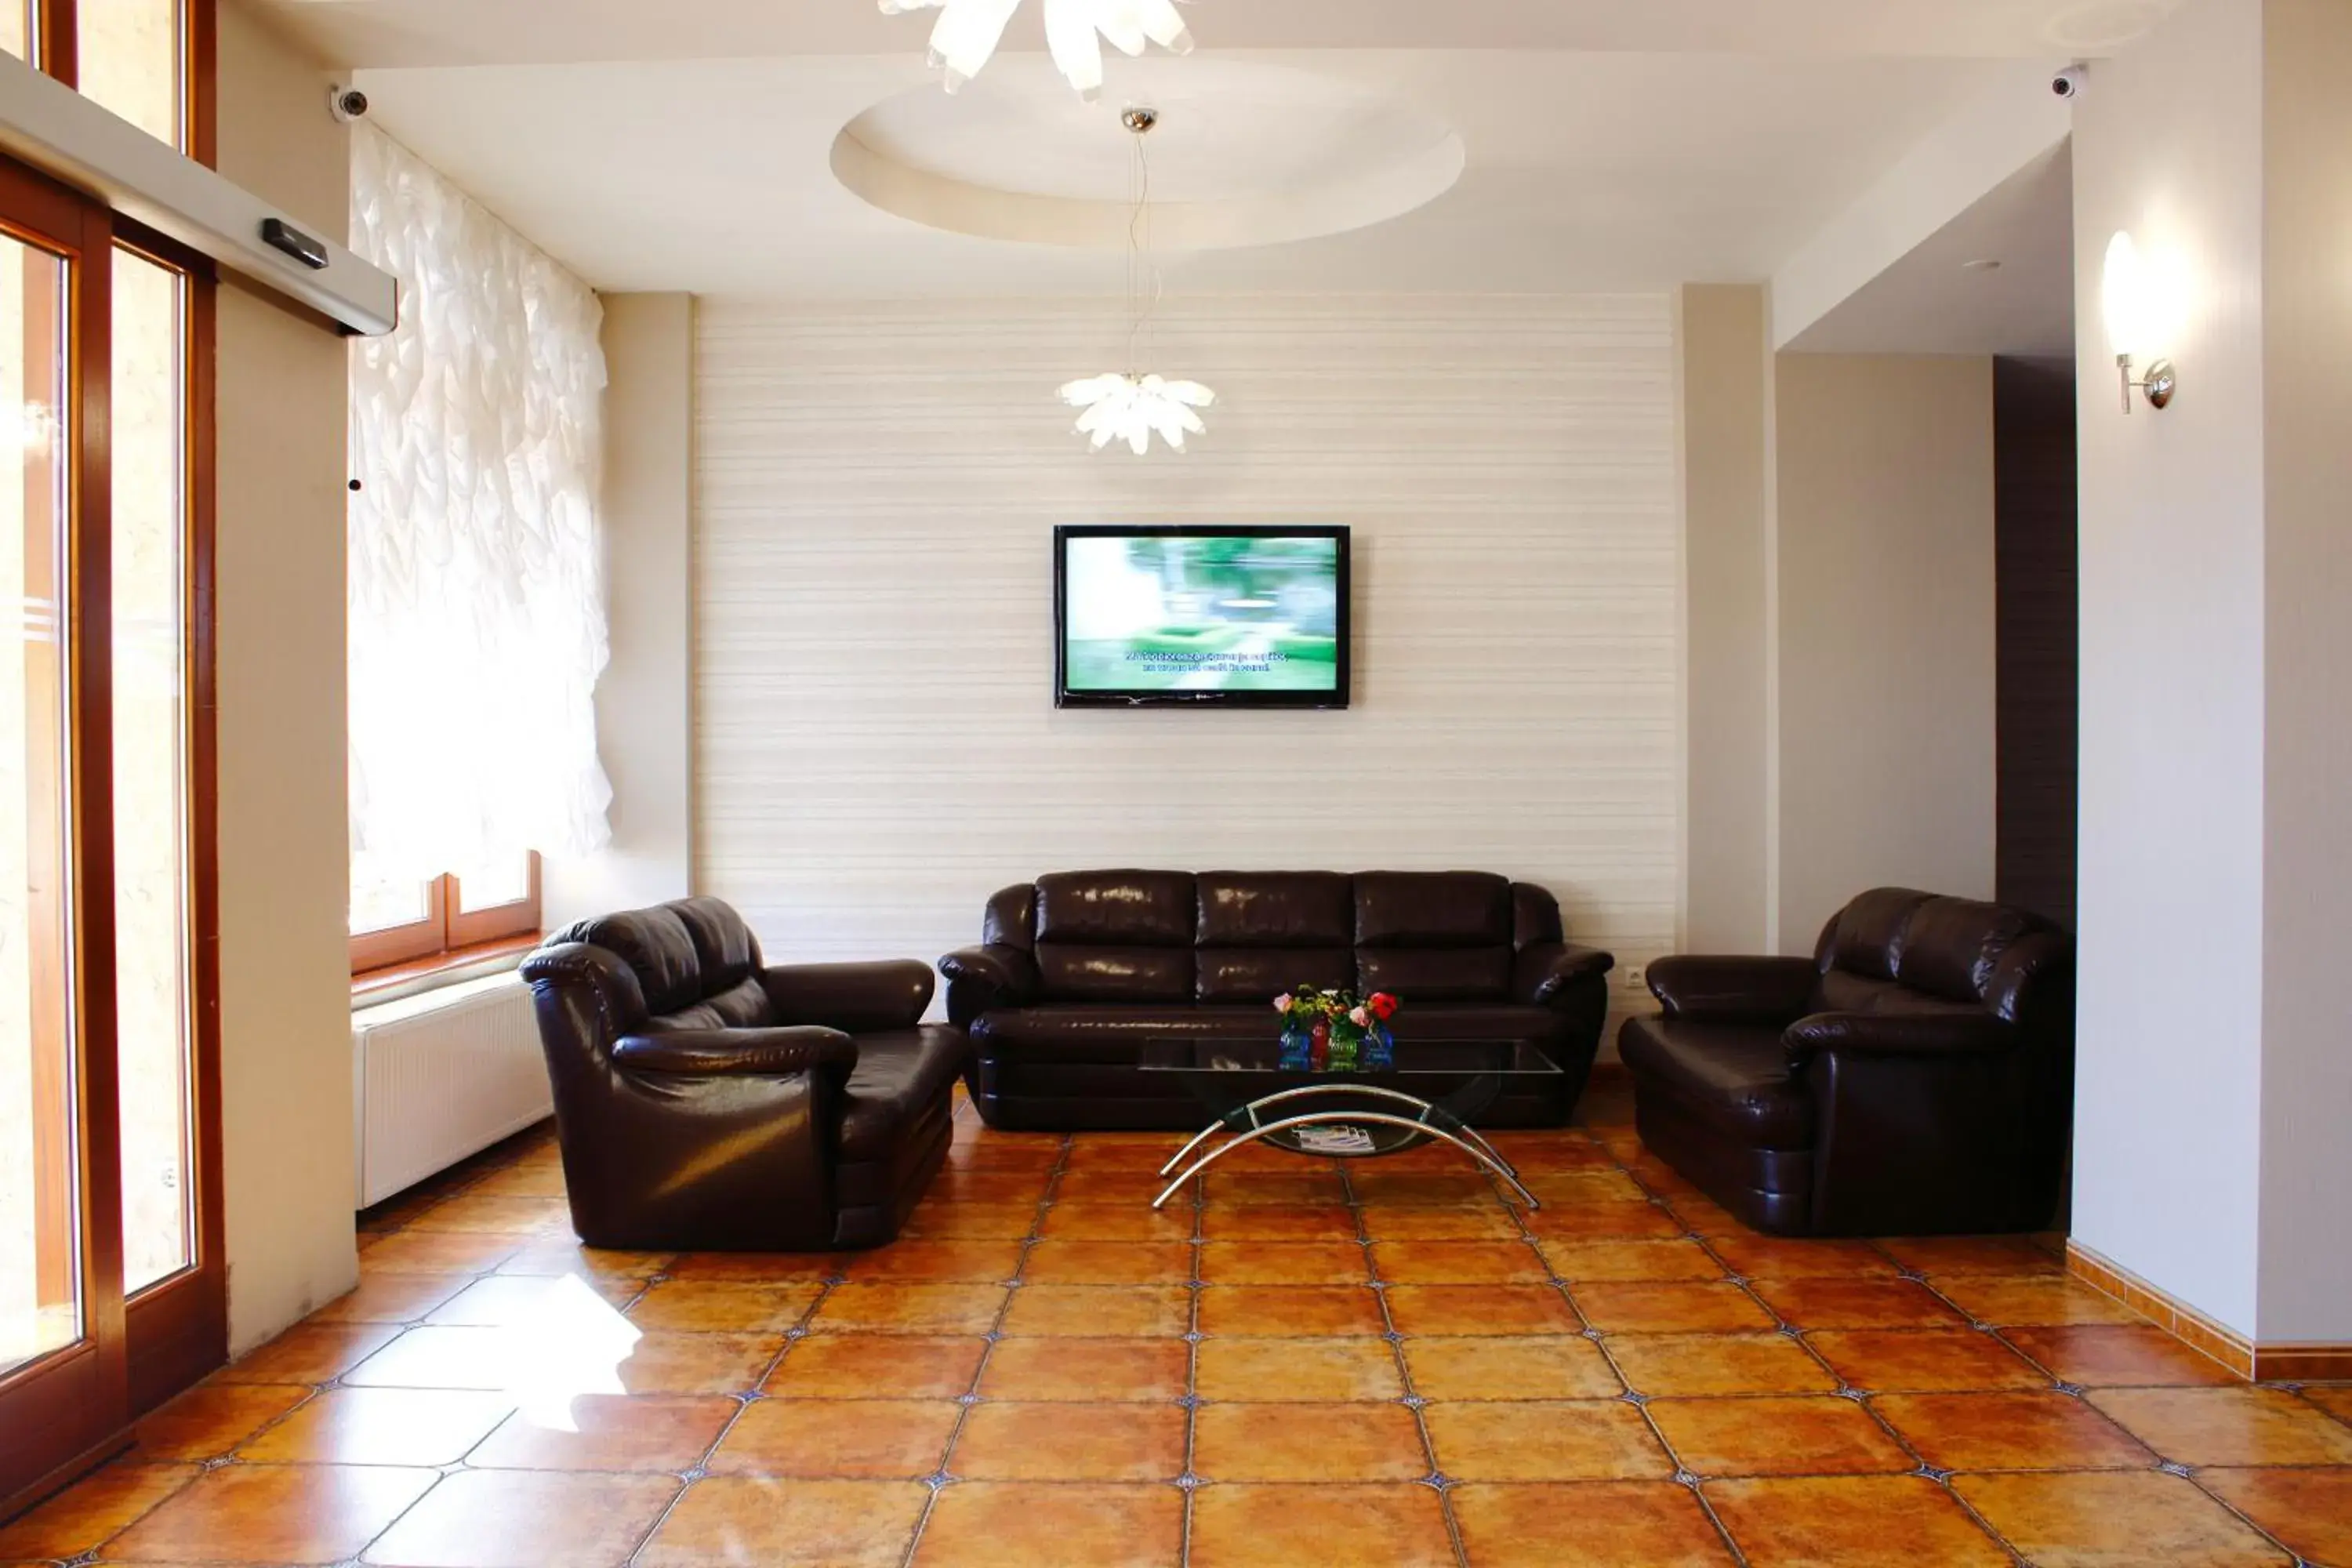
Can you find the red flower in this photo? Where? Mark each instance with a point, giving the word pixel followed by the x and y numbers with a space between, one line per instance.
pixel 1383 1004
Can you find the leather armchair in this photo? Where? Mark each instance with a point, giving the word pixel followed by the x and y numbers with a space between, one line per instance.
pixel 1915 1077
pixel 705 1101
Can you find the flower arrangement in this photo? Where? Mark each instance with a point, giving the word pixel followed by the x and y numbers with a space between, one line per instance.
pixel 1336 1031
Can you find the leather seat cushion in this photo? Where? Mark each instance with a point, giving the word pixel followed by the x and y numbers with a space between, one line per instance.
pixel 1733 1076
pixel 899 1074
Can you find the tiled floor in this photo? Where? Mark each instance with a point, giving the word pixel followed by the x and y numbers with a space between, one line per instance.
pixel 1311 1365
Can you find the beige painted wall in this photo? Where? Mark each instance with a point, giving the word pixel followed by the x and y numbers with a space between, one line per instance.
pixel 1883 533
pixel 644 702
pixel 878 749
pixel 1723 368
pixel 285 977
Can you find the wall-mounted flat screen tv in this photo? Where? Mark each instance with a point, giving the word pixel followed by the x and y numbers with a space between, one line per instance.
pixel 1235 617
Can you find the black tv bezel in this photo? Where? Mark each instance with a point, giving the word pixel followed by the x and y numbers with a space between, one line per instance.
pixel 1311 700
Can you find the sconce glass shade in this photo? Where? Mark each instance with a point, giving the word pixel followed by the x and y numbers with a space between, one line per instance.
pixel 2124 298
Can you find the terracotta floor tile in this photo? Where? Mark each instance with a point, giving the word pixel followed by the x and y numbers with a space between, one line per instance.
pixel 1924 1361
pixel 1087 1371
pixel 2103 1355
pixel 966 1258
pixel 439 1252
pixel 523 1518
pixel 2034 1303
pixel 2241 1426
pixel 273 1514
pixel 1557 1154
pixel 1002 1221
pixel 443 1358
pixel 838 1440
pixel 1289 1526
pixel 1274 1371
pixel 1284 1263
pixel 1538 1440
pixel 1936 1255
pixel 1718 1363
pixel 2010 1432
pixel 2310 1511
pixel 879 1366
pixel 91 1512
pixel 1492 1223
pixel 1857 1304
pixel 1136 1185
pixel 1146 1154
pixel 1610 1220
pixel 522 1302
pixel 998 1524
pixel 663 1363
pixel 1098 1311
pixel 1008 1442
pixel 551 1257
pixel 1117 1222
pixel 1525 1366
pixel 650 1432
pixel 213 1418
pixel 495 1213
pixel 421 1426
pixel 1570 1189
pixel 1481 1309
pixel 1108 1263
pixel 1399 1189
pixel 1593 1525
pixel 391 1298
pixel 911 1309
pixel 2116 1519
pixel 730 1521
pixel 1244 1189
pixel 2336 1399
pixel 1796 1437
pixel 993 1187
pixel 758 1267
pixel 694 1306
pixel 533 1180
pixel 1703 1214
pixel 1669 1308
pixel 1278 1222
pixel 1639 1261
pixel 1460 1263
pixel 1290 1311
pixel 1852 1522
pixel 1308 1443
pixel 994 1154
pixel 1794 1257
pixel 309 1352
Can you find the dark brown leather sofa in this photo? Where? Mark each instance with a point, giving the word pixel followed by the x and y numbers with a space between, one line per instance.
pixel 1915 1077
pixel 1077 970
pixel 705 1101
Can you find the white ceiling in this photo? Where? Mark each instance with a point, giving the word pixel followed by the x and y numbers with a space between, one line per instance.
pixel 1607 145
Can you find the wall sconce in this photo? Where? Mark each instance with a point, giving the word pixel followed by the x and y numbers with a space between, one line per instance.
pixel 2128 298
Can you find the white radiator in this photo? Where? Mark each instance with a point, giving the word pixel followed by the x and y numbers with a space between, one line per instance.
pixel 440 1076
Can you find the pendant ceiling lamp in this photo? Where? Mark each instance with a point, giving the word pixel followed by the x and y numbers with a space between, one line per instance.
pixel 1122 405
pixel 969 31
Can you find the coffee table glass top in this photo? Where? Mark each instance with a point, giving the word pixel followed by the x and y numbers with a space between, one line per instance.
pixel 1414 1058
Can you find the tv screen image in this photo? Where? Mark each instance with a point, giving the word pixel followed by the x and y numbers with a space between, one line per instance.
pixel 1242 616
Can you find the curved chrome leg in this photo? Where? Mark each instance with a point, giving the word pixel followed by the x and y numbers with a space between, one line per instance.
pixel 1378 1118
pixel 1314 1090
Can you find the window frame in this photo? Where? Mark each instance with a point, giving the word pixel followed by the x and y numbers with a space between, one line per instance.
pixel 449 931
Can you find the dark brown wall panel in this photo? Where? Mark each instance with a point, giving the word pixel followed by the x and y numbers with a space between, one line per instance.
pixel 2036 605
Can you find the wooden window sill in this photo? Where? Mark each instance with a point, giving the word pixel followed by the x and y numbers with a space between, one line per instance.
pixel 377 985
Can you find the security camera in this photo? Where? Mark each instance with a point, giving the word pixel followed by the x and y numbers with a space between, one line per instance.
pixel 347 104
pixel 2072 81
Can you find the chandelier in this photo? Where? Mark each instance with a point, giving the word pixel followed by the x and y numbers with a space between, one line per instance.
pixel 1121 406
pixel 969 31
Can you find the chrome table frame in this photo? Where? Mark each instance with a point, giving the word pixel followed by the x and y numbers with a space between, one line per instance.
pixel 1467 1139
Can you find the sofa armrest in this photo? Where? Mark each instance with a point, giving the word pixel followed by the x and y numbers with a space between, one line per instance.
pixel 737 1053
pixel 856 998
pixel 1735 989
pixel 1959 1033
pixel 981 978
pixel 1545 970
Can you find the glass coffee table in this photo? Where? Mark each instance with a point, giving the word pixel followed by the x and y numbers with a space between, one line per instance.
pixel 1431 1094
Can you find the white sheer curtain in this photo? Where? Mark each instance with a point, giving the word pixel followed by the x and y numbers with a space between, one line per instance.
pixel 477 605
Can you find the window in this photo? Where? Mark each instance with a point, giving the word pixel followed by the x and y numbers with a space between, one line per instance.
pixel 408 923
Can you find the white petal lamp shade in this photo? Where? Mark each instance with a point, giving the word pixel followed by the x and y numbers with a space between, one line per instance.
pixel 2124 298
pixel 970 30
pixel 1133 409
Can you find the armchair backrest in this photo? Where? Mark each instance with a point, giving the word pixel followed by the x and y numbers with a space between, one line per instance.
pixel 1242 937
pixel 1899 950
pixel 691 965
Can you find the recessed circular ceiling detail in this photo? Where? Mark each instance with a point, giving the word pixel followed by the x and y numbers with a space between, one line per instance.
pixel 2098 26
pixel 1243 153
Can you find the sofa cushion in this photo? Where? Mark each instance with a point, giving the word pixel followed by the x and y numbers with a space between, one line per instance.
pixel 1080 972
pixel 1733 1076
pixel 1117 909
pixel 724 947
pixel 1274 908
pixel 745 1006
pixel 1259 974
pixel 1433 908
pixel 1422 975
pixel 1952 946
pixel 656 947
pixel 899 1074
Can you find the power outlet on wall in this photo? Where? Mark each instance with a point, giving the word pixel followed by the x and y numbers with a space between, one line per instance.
pixel 1637 977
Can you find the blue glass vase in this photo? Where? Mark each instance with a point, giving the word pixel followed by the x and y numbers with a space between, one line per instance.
pixel 1380 1048
pixel 1296 1045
